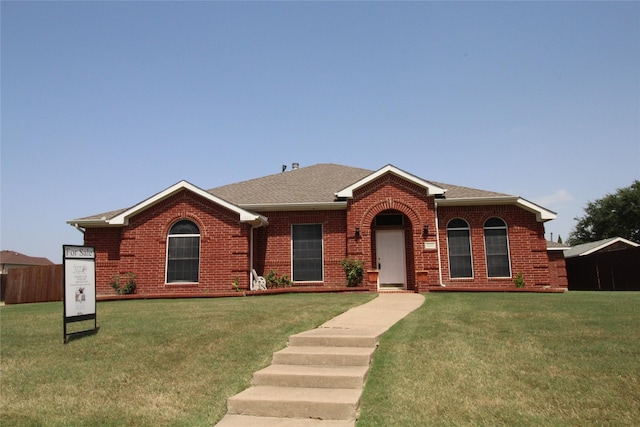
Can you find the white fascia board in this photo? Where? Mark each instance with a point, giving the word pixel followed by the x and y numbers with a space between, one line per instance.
pixel 320 206
pixel 609 243
pixel 542 214
pixel 431 189
pixel 102 222
pixel 245 216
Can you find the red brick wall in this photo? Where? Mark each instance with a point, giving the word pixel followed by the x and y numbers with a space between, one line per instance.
pixel 557 269
pixel 273 243
pixel 392 193
pixel 527 246
pixel 141 247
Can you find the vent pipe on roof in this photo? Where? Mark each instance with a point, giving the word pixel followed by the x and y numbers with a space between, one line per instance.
pixel 295 166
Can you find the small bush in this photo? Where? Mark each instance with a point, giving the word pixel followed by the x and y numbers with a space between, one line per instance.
pixel 273 281
pixel 129 286
pixel 519 281
pixel 354 269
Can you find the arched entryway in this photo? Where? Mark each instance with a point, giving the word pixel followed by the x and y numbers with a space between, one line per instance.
pixel 392 248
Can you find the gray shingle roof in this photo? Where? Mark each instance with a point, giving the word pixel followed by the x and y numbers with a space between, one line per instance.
pixel 312 184
pixel 307 185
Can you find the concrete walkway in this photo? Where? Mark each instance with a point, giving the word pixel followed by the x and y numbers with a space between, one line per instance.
pixel 317 380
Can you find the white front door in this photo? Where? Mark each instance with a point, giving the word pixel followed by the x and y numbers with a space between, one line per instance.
pixel 391 258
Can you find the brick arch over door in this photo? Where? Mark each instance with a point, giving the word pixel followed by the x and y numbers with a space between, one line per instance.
pixel 412 233
pixel 373 211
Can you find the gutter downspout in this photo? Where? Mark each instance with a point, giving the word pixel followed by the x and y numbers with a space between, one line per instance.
pixel 251 257
pixel 77 227
pixel 438 244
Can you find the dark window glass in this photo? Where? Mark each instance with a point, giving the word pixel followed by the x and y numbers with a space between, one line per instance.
pixel 459 243
pixel 307 252
pixel 389 219
pixel 496 248
pixel 183 253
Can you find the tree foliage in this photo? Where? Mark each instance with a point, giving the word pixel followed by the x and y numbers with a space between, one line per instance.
pixel 614 215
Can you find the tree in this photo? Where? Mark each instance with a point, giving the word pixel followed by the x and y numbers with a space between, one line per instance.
pixel 614 215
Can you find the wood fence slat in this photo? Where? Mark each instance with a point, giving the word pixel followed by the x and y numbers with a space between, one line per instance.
pixel 34 284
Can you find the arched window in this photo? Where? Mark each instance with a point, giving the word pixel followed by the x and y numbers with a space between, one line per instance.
pixel 459 244
pixel 496 247
pixel 183 252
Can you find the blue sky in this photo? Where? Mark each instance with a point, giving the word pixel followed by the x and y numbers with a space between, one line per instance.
pixel 106 103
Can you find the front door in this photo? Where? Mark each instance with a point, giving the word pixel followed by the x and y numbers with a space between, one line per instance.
pixel 391 258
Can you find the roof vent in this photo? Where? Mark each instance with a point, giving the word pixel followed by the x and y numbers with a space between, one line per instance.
pixel 295 166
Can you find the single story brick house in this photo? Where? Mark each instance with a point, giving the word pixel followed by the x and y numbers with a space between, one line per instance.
pixel 410 234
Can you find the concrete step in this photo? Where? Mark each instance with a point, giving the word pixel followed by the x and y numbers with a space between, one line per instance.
pixel 312 376
pixel 335 337
pixel 251 421
pixel 296 402
pixel 336 356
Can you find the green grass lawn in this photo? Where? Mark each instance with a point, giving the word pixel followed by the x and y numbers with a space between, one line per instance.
pixel 152 363
pixel 460 359
pixel 489 359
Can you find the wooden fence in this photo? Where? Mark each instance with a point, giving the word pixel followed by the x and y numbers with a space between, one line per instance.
pixel 34 284
pixel 609 271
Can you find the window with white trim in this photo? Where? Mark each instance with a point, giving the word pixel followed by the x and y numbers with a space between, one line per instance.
pixel 496 247
pixel 183 253
pixel 459 244
pixel 307 252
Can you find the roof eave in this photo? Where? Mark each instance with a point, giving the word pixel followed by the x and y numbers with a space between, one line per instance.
pixel 542 214
pixel 305 206
pixel 122 219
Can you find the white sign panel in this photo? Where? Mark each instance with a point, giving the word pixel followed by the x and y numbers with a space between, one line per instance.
pixel 80 295
pixel 79 281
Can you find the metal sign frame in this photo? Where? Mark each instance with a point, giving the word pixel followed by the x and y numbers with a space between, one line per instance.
pixel 79 300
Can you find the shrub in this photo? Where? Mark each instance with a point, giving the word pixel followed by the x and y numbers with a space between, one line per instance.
pixel 273 281
pixel 519 281
pixel 129 286
pixel 354 270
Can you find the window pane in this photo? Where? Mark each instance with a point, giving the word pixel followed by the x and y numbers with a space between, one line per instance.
pixel 459 253
pixel 307 252
pixel 184 227
pixel 496 246
pixel 183 261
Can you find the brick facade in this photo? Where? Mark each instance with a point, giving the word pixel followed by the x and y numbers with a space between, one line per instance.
pixel 140 246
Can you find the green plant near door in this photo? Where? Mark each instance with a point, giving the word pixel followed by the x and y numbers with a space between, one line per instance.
pixel 354 270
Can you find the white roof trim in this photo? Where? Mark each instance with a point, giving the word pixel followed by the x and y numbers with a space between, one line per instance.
pixel 542 214
pixel 123 218
pixel 431 189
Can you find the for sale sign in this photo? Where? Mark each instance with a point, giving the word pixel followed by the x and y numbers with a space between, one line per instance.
pixel 79 286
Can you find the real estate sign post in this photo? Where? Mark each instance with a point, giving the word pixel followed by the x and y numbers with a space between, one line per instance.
pixel 79 287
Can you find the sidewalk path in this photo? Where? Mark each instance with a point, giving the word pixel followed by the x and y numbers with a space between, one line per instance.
pixel 318 379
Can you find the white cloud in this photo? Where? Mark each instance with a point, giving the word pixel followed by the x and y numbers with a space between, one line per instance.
pixel 556 198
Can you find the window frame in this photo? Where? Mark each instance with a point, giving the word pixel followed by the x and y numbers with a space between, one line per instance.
pixel 293 260
pixel 470 256
pixel 180 236
pixel 504 227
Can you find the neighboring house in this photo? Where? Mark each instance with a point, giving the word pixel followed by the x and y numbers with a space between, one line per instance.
pixel 605 245
pixel 13 259
pixel 409 232
pixel 605 265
